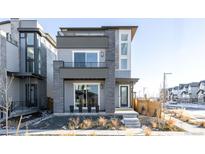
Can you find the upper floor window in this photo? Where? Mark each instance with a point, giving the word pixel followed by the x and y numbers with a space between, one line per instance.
pixel 85 59
pixel 124 37
pixel 124 44
pixel 30 38
pixel 124 48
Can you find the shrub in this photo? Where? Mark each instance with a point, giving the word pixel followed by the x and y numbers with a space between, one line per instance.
pixel 171 123
pixel 86 124
pixel 154 124
pixel 202 124
pixel 102 122
pixel 115 123
pixel 147 131
pixel 73 123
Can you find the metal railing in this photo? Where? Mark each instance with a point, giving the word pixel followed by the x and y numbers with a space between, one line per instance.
pixel 85 64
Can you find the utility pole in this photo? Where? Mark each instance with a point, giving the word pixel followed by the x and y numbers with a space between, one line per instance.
pixel 164 89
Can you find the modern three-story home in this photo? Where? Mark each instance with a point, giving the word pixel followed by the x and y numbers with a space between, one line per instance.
pixel 93 68
pixel 27 53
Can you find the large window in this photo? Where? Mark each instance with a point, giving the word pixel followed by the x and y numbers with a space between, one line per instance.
pixel 30 46
pixel 86 95
pixel 30 38
pixel 124 47
pixel 85 59
pixel 30 59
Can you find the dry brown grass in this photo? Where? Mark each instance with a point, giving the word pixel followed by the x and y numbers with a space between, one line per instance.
pixel 73 123
pixel 147 131
pixel 154 124
pixel 115 123
pixel 185 118
pixel 171 123
pixel 202 124
pixel 86 124
pixel 102 121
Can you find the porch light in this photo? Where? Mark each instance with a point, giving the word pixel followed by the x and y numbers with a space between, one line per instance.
pixel 102 54
pixel 101 86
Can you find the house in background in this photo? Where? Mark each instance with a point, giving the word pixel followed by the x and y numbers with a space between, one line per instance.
pixel 93 68
pixel 192 91
pixel 173 94
pixel 184 97
pixel 201 92
pixel 27 53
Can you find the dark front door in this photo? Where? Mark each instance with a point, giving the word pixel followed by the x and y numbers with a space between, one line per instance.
pixel 124 96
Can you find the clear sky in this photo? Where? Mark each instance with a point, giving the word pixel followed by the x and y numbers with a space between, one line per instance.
pixel 160 45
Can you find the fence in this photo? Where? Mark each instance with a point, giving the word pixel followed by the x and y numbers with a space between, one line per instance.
pixel 147 107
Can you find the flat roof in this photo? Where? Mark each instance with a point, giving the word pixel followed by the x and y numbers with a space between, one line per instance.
pixel 5 22
pixel 133 28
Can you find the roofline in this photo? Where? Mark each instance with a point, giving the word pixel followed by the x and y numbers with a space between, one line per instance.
pixel 133 28
pixel 47 36
pixel 5 22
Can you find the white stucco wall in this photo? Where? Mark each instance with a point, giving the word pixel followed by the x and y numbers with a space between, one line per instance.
pixel 6 28
pixel 14 89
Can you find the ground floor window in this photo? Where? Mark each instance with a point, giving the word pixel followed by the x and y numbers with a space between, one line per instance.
pixel 86 94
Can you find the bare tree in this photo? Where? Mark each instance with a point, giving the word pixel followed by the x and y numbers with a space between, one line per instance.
pixel 6 102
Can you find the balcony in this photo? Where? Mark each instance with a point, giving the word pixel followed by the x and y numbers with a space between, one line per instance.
pixel 82 70
pixel 84 65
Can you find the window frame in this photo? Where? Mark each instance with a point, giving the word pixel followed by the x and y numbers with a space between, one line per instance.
pixel 85 51
pixel 85 83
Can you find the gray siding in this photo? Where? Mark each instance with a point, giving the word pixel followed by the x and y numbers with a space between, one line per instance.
pixel 77 73
pixel 58 89
pixel 110 80
pixel 123 74
pixel 117 97
pixel 82 42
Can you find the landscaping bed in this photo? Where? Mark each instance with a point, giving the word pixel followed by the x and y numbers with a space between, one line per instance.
pixel 84 122
pixel 157 124
pixel 185 117
pixel 13 122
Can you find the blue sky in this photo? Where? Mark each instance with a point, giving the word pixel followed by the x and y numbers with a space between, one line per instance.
pixel 160 45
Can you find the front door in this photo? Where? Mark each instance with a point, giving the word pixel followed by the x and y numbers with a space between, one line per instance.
pixel 124 96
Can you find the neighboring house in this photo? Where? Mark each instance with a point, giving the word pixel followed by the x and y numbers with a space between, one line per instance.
pixel 94 68
pixel 173 94
pixel 169 98
pixel 201 92
pixel 184 96
pixel 27 53
pixel 192 91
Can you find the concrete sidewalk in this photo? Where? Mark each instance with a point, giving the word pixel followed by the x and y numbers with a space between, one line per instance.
pixel 35 132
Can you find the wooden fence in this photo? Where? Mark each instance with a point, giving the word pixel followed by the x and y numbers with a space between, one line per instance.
pixel 147 107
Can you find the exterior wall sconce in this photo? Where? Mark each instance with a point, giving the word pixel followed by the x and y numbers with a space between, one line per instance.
pixel 102 54
pixel 101 86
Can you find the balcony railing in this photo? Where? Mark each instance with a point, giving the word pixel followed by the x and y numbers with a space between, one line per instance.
pixel 85 64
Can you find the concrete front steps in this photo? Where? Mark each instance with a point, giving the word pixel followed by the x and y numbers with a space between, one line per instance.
pixel 130 117
pixel 131 121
